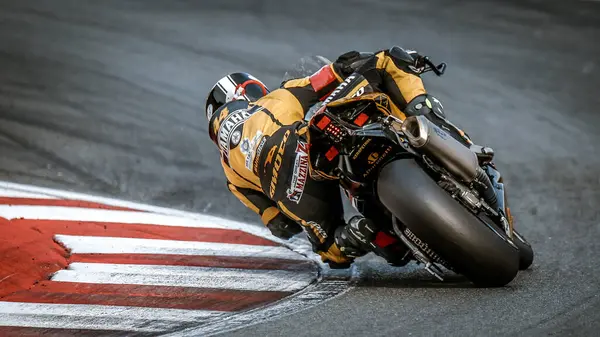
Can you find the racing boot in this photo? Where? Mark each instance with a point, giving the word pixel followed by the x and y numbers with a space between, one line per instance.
pixel 356 238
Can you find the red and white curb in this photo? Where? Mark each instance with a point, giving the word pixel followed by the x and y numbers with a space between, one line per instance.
pixel 74 264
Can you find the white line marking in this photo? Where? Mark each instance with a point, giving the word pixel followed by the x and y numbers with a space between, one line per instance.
pixel 215 280
pixel 120 203
pixel 98 317
pixel 296 244
pixel 88 323
pixel 214 221
pixel 124 322
pixel 112 245
pixel 145 269
pixel 99 215
pixel 86 310
pixel 19 194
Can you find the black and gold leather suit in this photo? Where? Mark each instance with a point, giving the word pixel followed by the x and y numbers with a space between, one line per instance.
pixel 264 147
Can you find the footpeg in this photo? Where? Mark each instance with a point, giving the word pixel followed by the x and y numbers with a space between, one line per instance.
pixel 434 270
pixel 484 154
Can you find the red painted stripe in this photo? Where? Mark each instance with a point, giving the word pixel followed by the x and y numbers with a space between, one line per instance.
pixel 60 202
pixel 145 296
pixel 197 261
pixel 26 256
pixel 10 331
pixel 143 231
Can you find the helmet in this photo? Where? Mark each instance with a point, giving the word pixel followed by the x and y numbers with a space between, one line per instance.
pixel 233 87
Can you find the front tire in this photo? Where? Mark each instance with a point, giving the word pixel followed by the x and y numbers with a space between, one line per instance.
pixel 472 248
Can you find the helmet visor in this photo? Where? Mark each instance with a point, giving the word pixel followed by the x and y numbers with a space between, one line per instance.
pixel 251 90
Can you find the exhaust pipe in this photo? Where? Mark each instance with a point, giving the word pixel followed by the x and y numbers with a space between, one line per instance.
pixel 441 147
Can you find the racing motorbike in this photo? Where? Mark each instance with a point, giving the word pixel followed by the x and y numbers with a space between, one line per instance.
pixel 436 200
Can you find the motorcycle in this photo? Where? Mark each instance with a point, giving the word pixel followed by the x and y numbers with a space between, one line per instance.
pixel 435 200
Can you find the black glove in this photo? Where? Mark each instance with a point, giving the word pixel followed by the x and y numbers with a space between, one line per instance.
pixel 283 227
pixel 408 60
pixel 355 239
pixel 349 62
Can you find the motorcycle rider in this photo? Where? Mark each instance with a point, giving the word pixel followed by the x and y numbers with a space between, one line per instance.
pixel 262 139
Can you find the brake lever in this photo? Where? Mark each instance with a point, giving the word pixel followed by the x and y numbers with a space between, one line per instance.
pixel 439 70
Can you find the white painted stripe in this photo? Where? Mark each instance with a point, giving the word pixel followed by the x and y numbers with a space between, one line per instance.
pixel 50 321
pixel 203 218
pixel 86 310
pixel 300 245
pixel 139 269
pixel 112 245
pixel 98 317
pixel 88 323
pixel 216 280
pixel 100 215
pixel 44 192
pixel 6 193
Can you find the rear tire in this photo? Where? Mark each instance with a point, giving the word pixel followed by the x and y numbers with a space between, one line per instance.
pixel 525 251
pixel 473 249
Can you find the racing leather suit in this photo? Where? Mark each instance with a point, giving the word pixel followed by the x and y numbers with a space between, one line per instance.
pixel 264 148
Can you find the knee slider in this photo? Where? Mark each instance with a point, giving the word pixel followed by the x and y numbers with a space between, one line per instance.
pixel 425 105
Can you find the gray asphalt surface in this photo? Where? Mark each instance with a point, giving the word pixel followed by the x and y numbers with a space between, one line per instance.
pixel 105 97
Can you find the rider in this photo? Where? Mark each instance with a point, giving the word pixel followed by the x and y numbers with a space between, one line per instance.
pixel 262 139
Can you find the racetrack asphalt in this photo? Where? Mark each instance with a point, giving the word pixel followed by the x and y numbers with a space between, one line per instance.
pixel 106 98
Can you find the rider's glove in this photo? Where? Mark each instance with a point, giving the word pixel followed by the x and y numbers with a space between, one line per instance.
pixel 283 227
pixel 419 61
pixel 349 62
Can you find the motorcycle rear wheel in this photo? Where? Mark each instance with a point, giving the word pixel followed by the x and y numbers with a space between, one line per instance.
pixel 525 251
pixel 474 249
